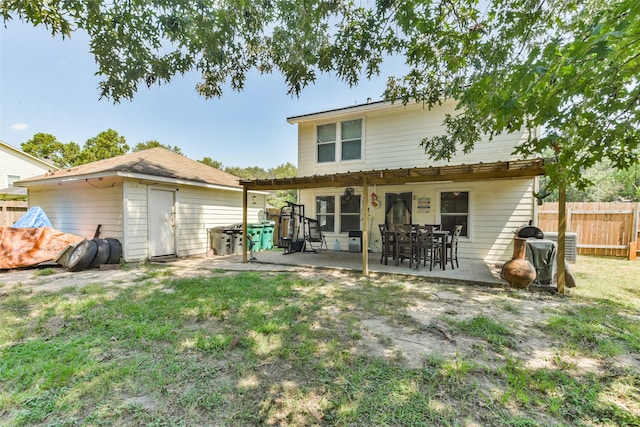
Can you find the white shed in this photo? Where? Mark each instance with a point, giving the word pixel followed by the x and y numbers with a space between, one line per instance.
pixel 156 202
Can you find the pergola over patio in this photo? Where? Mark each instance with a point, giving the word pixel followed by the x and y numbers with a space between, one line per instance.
pixel 457 173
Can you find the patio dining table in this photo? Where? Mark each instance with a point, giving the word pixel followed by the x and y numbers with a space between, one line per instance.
pixel 391 246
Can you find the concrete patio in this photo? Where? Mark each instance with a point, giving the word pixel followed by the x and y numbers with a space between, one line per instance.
pixel 471 271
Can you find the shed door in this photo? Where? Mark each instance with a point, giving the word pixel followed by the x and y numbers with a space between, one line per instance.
pixel 161 223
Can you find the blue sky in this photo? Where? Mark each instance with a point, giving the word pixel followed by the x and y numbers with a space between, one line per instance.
pixel 48 85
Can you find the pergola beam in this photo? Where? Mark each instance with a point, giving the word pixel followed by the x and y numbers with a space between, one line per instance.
pixel 460 173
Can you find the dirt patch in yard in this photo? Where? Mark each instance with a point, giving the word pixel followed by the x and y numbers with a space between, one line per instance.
pixel 423 331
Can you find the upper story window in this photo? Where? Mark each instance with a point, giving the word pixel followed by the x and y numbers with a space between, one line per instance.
pixel 327 143
pixel 351 139
pixel 454 210
pixel 11 179
pixel 344 138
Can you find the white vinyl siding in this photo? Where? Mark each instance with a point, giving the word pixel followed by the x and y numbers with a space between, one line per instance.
pixel 101 205
pixel 136 238
pixel 393 136
pixel 14 163
pixel 497 211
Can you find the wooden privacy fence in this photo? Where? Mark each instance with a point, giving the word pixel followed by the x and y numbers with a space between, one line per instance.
pixel 601 228
pixel 11 211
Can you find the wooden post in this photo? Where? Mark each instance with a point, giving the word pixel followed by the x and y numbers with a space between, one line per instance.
pixel 635 233
pixel 244 224
pixel 365 227
pixel 562 229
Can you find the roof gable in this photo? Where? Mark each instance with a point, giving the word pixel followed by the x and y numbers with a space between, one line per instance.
pixel 154 162
pixel 25 156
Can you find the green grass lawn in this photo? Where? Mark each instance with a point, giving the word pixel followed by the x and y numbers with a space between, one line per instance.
pixel 243 349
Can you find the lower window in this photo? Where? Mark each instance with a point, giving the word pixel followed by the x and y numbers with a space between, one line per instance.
pixel 326 213
pixel 454 210
pixel 349 213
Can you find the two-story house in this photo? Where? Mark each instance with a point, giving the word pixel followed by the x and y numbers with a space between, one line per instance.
pixel 363 165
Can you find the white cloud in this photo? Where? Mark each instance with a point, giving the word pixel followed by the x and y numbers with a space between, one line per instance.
pixel 19 126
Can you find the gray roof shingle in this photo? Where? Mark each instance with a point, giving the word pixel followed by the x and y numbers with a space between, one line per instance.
pixel 157 162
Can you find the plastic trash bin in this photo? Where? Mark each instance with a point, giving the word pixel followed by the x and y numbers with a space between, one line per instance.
pixel 232 242
pixel 237 241
pixel 218 241
pixel 267 234
pixel 254 233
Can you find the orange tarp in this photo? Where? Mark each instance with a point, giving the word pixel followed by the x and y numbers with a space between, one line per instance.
pixel 24 247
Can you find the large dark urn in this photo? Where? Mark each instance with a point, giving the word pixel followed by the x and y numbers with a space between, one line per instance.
pixel 519 272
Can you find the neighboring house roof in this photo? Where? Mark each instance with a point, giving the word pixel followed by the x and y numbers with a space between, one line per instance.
pixel 148 164
pixel 21 153
pixel 13 193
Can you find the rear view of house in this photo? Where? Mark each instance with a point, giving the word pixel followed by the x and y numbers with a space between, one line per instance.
pixel 365 164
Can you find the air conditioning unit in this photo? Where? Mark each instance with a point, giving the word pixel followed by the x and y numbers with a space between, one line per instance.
pixel 570 244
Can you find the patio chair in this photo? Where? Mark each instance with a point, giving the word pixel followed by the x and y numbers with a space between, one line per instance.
pixel 452 246
pixel 404 244
pixel 426 246
pixel 388 239
pixel 314 234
